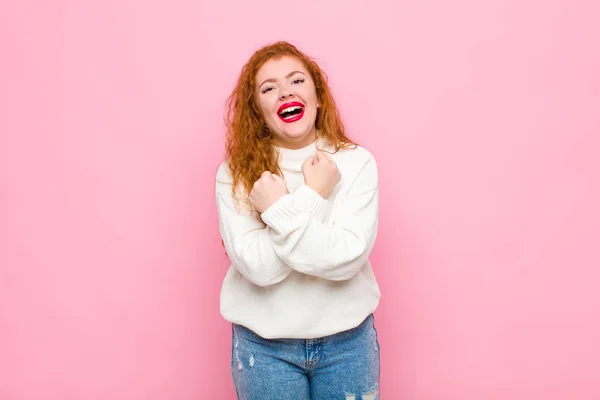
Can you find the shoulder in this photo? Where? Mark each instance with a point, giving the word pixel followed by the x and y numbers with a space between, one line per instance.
pixel 358 152
pixel 358 167
pixel 224 173
pixel 354 157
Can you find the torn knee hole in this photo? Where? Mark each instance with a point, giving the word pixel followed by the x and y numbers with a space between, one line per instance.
pixel 371 395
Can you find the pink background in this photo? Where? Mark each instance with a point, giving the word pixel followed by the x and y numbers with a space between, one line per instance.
pixel 484 117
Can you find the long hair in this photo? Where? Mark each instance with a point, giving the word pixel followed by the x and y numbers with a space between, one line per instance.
pixel 249 148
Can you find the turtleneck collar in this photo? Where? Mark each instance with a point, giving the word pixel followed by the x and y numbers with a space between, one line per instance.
pixel 291 159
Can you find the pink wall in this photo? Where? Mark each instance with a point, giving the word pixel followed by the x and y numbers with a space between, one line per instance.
pixel 484 117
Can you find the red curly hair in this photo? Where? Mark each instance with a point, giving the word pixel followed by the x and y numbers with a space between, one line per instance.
pixel 249 151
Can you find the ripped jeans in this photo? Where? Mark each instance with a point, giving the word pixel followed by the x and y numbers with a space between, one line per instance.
pixel 342 366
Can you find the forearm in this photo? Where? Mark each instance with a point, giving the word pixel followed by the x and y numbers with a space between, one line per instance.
pixel 309 246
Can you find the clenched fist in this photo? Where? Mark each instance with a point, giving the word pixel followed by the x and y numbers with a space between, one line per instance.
pixel 321 174
pixel 266 191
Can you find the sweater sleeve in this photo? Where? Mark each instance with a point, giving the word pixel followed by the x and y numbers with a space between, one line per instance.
pixel 248 242
pixel 334 252
pixel 246 239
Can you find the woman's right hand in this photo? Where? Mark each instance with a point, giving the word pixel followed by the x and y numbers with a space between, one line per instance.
pixel 267 190
pixel 321 174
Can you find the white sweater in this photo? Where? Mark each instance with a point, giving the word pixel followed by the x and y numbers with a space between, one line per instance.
pixel 304 272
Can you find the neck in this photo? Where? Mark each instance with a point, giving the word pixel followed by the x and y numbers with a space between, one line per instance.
pixel 299 143
pixel 292 159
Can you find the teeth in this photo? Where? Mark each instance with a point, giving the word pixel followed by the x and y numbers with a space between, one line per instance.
pixel 290 109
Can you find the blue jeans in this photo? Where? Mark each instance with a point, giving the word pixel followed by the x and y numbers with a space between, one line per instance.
pixel 343 366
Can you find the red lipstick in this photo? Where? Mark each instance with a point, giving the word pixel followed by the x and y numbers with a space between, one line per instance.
pixel 295 117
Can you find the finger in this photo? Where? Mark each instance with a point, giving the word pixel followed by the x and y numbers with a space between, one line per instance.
pixel 319 156
pixel 307 162
pixel 276 178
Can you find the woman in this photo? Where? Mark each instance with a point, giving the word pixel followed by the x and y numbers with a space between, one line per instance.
pixel 298 214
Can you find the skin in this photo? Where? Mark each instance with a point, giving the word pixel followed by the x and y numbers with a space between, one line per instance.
pixel 280 81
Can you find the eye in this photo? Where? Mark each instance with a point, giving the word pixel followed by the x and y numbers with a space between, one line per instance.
pixel 267 89
pixel 298 80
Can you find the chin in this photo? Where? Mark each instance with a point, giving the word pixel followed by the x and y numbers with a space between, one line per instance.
pixel 296 139
pixel 297 135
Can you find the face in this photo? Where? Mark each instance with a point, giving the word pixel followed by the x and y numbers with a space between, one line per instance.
pixel 287 99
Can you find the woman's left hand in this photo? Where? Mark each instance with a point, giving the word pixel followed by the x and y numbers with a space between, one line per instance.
pixel 266 191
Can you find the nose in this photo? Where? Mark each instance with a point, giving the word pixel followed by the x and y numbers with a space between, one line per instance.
pixel 286 93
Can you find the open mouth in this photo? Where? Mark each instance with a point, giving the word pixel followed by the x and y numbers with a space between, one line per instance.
pixel 291 112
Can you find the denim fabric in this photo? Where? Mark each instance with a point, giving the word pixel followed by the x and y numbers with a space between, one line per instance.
pixel 343 366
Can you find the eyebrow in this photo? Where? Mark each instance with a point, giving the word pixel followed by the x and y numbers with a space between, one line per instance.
pixel 286 77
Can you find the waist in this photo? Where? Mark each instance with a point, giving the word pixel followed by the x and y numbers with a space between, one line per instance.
pixel 367 323
pixel 301 306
